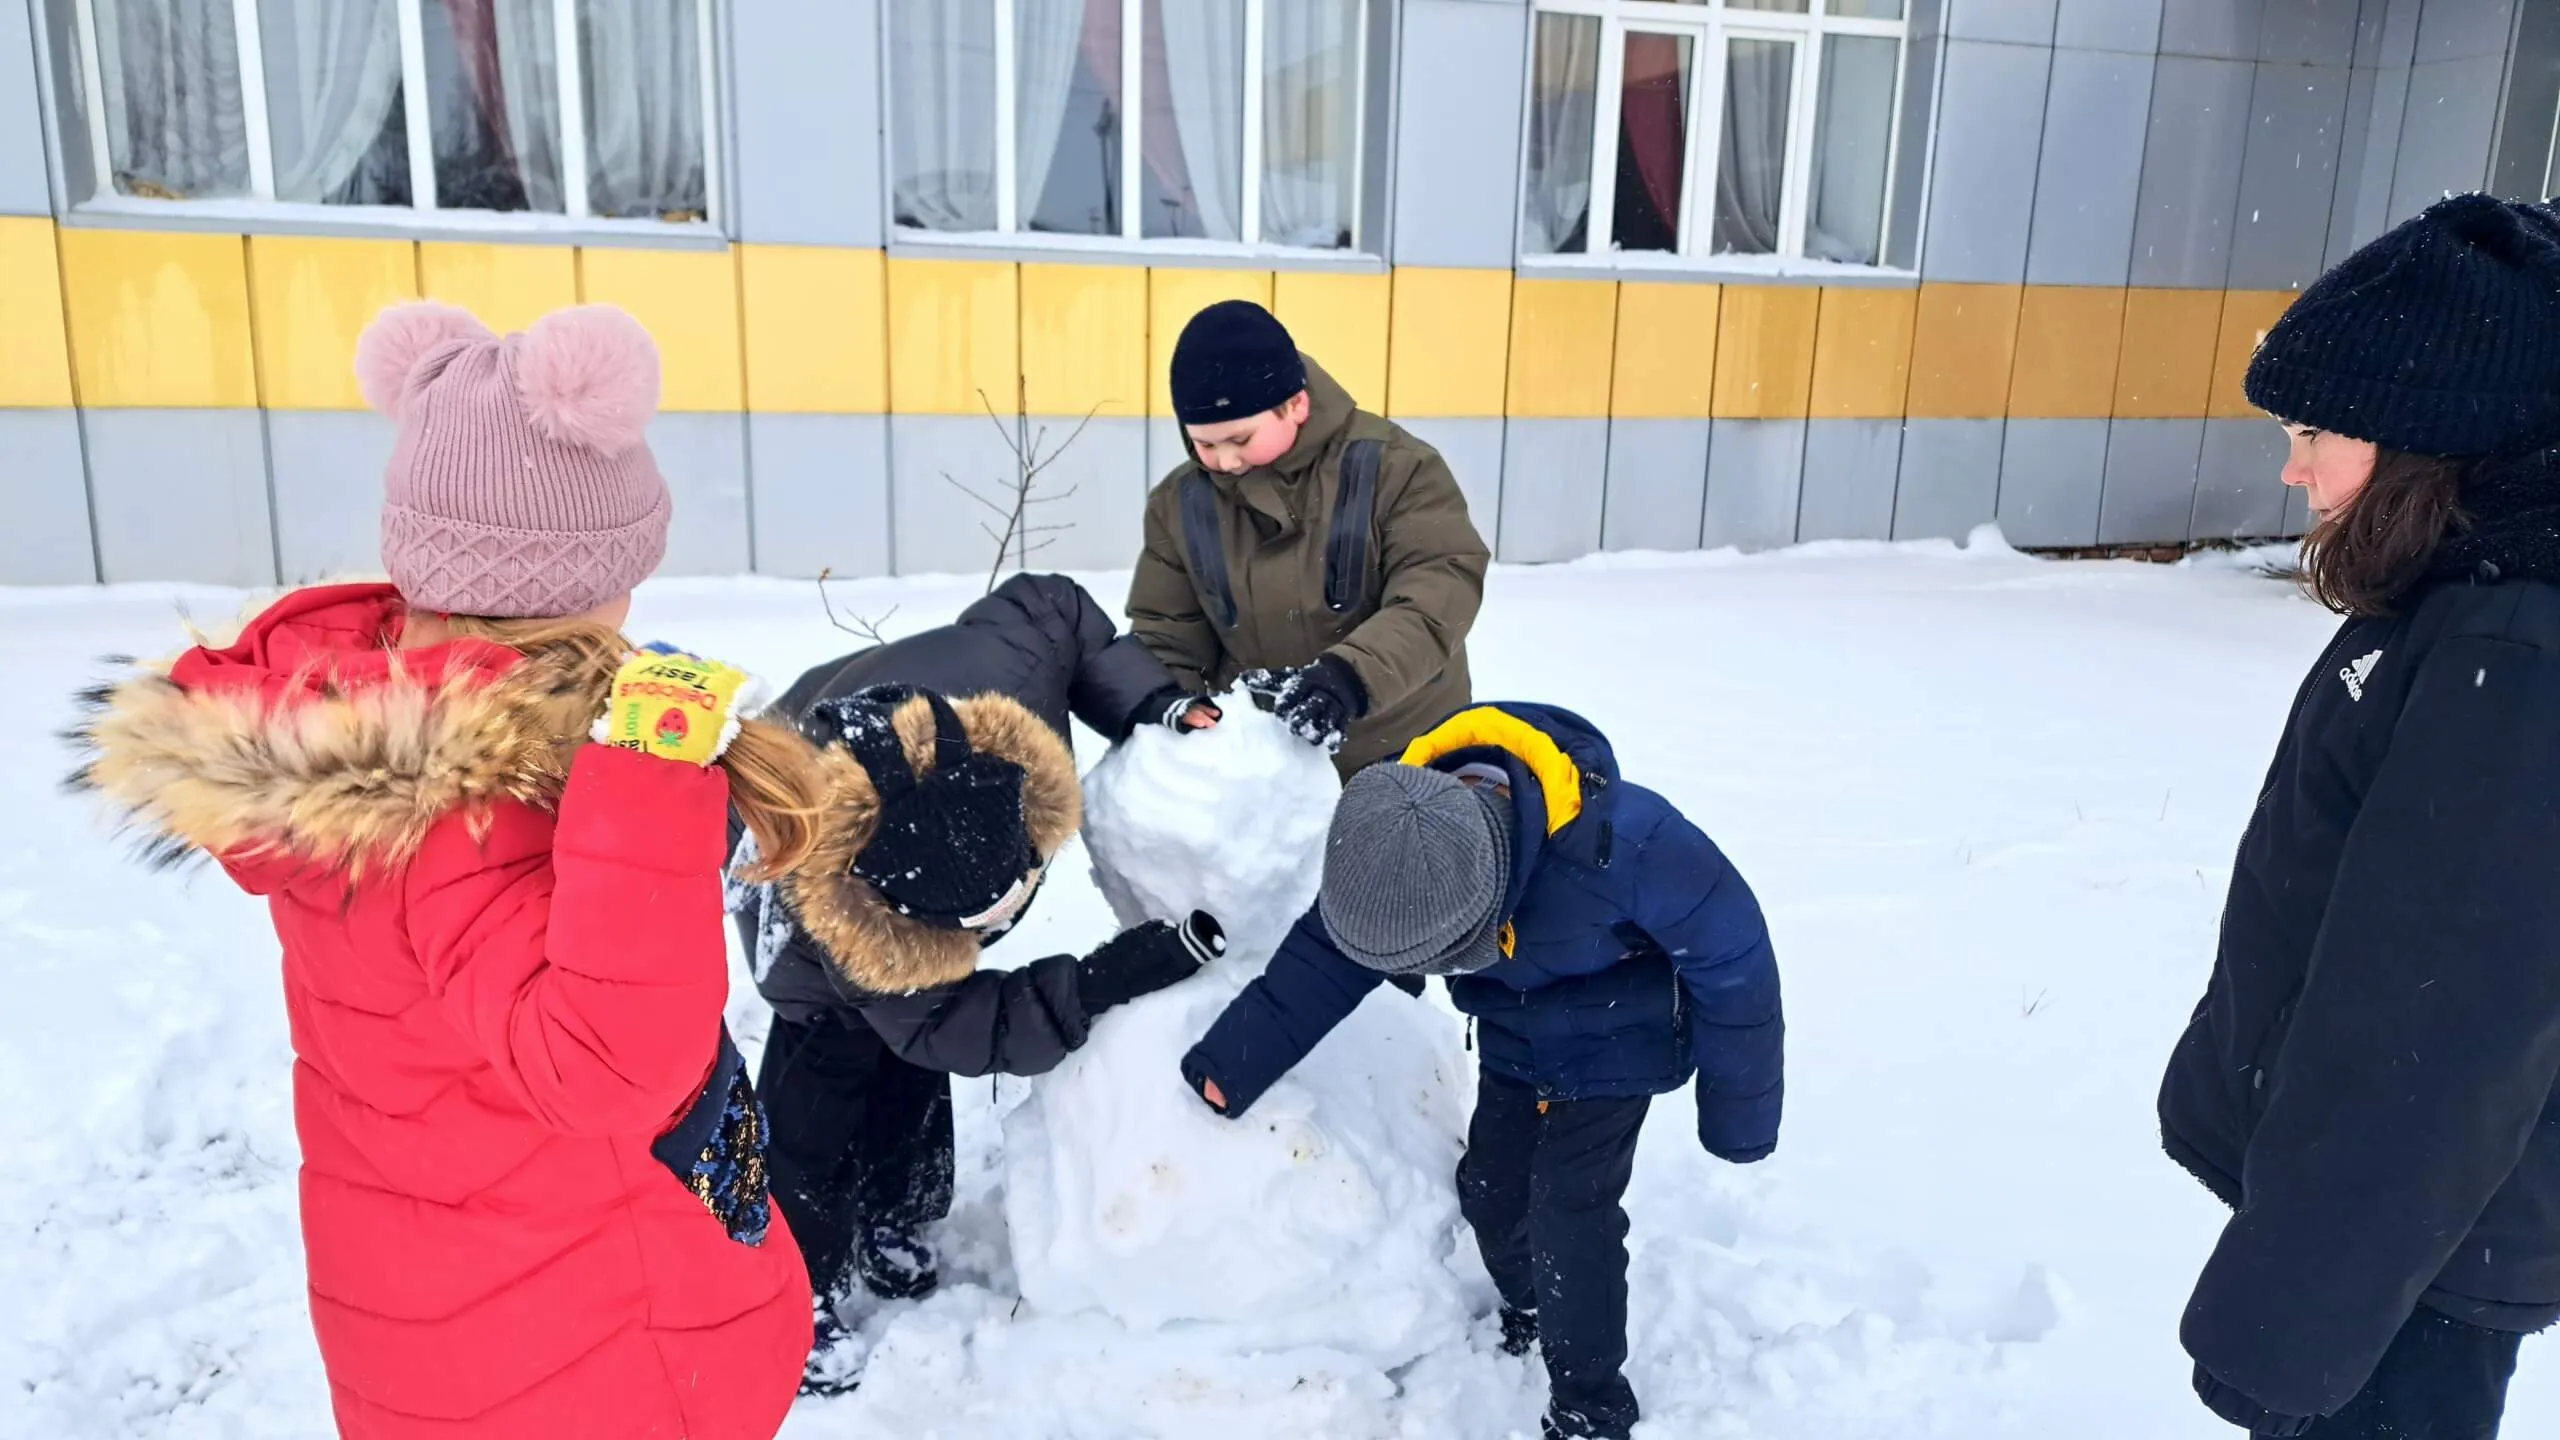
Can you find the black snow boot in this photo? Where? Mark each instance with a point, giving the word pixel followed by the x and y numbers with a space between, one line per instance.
pixel 1519 1330
pixel 896 1264
pixel 835 1355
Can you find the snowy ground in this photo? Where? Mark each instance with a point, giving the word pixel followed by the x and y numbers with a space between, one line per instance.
pixel 1990 804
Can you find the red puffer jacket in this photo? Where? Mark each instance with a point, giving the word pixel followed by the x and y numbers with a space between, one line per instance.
pixel 503 961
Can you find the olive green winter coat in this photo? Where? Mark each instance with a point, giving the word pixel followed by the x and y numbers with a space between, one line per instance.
pixel 1407 637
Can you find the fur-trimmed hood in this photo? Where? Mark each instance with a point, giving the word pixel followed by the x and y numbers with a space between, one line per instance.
pixel 869 942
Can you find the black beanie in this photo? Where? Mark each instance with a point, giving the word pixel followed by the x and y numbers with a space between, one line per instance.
pixel 950 843
pixel 1234 360
pixel 2440 338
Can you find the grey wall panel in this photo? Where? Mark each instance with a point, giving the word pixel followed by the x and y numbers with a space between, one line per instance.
pixel 2212 29
pixel 2444 136
pixel 2240 491
pixel 1950 480
pixel 2369 140
pixel 1657 493
pixel 807 97
pixel 2018 22
pixel 2150 495
pixel 1093 491
pixel 1755 469
pixel 180 495
pixel 45 538
pixel 2090 174
pixel 2191 171
pixel 1457 172
pixel 821 490
pixel 704 458
pixel 1850 468
pixel 2310 32
pixel 1990 123
pixel 23 186
pixel 1903 217
pixel 2132 26
pixel 2288 179
pixel 1558 472
pixel 1100 495
pixel 326 468
pixel 2297 511
pixel 2051 474
pixel 1473 450
pixel 2463 29
pixel 1927 18
pixel 2387 31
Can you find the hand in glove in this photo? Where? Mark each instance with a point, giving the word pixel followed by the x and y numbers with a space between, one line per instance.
pixel 1177 710
pixel 676 706
pixel 1317 702
pixel 1145 959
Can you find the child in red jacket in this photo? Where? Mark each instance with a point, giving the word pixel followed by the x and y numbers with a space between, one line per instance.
pixel 532 1187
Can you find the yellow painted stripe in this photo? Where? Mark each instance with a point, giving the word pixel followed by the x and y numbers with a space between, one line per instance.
pixel 1764 352
pixel 1862 353
pixel 2167 365
pixel 1961 350
pixel 1664 365
pixel 158 318
pixel 1448 342
pixel 1173 297
pixel 816 320
pixel 954 334
pixel 507 286
pixel 2247 315
pixel 2068 340
pixel 35 355
pixel 688 299
pixel 1084 340
pixel 1341 320
pixel 309 299
pixel 1563 340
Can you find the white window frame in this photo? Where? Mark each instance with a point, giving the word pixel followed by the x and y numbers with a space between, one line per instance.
pixel 1009 232
pixel 422 213
pixel 1711 30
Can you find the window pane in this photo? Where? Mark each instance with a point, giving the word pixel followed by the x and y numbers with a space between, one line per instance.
pixel 642 61
pixel 1310 121
pixel 493 95
pixel 172 75
pixel 942 114
pixel 1865 9
pixel 1852 140
pixel 1758 81
pixel 334 106
pixel 1653 143
pixel 1192 136
pixel 1773 7
pixel 1564 84
pixel 1066 68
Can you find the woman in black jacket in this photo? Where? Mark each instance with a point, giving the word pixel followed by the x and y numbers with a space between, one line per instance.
pixel 952 785
pixel 2370 1079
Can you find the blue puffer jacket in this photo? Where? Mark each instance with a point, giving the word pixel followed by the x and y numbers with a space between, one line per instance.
pixel 1636 954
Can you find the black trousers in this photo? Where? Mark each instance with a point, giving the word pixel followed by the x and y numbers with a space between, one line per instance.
pixel 1541 1186
pixel 859 1138
pixel 2441 1379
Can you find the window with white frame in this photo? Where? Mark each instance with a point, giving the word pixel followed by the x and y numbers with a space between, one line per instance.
pixel 1711 127
pixel 585 109
pixel 1212 120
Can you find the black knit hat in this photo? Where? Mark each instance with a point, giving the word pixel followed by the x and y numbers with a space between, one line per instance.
pixel 951 844
pixel 2440 338
pixel 1234 360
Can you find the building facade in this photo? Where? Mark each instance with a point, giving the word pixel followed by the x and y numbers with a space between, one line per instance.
pixel 1652 275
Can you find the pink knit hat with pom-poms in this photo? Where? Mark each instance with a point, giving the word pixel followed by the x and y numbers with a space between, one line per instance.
pixel 519 487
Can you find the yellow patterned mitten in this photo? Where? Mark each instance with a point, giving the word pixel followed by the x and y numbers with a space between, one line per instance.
pixel 676 706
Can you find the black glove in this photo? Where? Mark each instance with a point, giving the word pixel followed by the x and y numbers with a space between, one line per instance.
pixel 1409 984
pixel 1317 702
pixel 2244 1412
pixel 1168 706
pixel 1145 959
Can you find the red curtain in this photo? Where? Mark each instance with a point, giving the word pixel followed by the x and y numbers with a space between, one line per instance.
pixel 1652 109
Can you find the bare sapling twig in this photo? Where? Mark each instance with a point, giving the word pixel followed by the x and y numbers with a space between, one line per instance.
pixel 850 623
pixel 1017 539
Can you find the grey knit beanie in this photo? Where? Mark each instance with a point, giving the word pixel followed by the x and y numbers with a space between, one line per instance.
pixel 1416 871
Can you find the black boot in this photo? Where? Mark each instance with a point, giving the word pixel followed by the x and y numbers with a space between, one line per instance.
pixel 896 1264
pixel 1561 1424
pixel 835 1355
pixel 1519 1330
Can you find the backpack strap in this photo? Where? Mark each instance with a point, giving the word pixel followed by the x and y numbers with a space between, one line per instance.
pixel 1355 503
pixel 1208 552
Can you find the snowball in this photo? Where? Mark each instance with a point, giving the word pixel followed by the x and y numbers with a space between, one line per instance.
pixel 1326 1215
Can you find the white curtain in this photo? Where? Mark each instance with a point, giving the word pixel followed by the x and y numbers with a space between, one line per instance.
pixel 333 77
pixel 643 61
pixel 1048 42
pixel 1752 173
pixel 172 76
pixel 942 123
pixel 1310 121
pixel 1851 148
pixel 1563 88
pixel 528 45
pixel 1204 75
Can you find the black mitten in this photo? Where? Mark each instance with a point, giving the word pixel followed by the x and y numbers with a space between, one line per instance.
pixel 1317 702
pixel 1169 706
pixel 1145 959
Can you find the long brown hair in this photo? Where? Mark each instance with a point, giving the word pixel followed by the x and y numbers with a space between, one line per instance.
pixel 775 784
pixel 2362 557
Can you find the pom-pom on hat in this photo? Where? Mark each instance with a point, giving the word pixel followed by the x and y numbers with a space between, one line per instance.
pixel 1234 360
pixel 520 486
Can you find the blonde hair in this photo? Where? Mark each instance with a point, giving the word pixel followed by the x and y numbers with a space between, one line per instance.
pixel 775 784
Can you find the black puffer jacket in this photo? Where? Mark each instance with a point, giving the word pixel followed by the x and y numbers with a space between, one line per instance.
pixel 2370 1079
pixel 1043 642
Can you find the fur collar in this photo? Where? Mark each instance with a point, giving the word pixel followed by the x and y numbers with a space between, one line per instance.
pixel 876 948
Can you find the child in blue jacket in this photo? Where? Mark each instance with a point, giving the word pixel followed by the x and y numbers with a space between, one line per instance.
pixel 1607 951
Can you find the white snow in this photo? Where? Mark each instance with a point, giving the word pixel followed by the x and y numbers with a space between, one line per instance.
pixel 1990 804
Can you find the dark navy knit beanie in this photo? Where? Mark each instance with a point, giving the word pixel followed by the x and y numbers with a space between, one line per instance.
pixel 2440 338
pixel 1234 360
